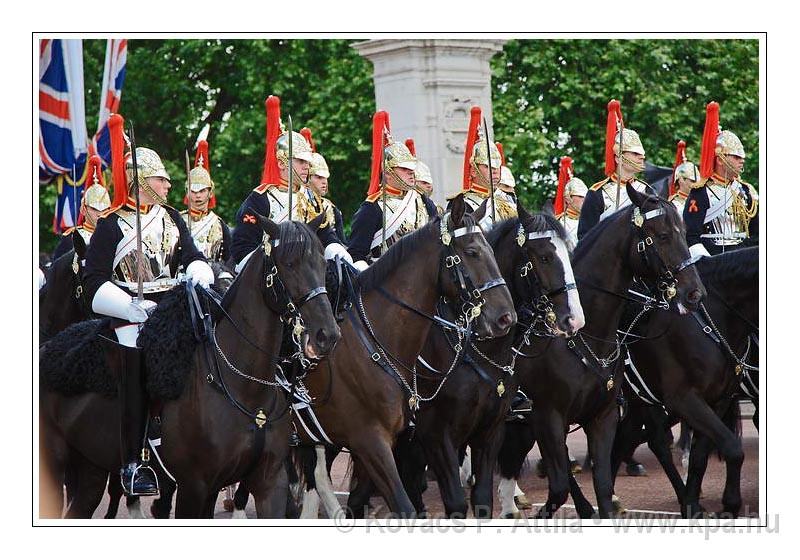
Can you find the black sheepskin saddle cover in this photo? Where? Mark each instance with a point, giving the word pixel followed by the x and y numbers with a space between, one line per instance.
pixel 74 361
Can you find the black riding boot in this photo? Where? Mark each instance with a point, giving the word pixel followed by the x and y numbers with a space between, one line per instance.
pixel 138 479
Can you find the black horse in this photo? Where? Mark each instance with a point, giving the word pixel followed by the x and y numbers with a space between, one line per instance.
pixel 697 367
pixel 473 398
pixel 225 425
pixel 578 380
pixel 61 301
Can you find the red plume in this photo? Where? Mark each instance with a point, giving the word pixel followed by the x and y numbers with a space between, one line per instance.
pixel 95 170
pixel 306 132
pixel 202 152
pixel 472 138
pixel 272 174
pixel 564 175
pixel 613 125
pixel 680 157
pixel 411 147
pixel 380 121
pixel 115 124
pixel 502 153
pixel 710 133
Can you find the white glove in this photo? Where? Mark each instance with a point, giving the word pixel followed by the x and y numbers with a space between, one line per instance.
pixel 112 301
pixel 42 279
pixel 361 265
pixel 698 249
pixel 334 250
pixel 200 273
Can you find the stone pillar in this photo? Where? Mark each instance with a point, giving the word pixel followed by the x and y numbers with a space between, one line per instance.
pixel 428 87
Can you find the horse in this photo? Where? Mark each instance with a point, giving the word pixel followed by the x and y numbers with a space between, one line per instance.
pixel 61 301
pixel 697 367
pixel 474 398
pixel 577 380
pixel 366 391
pixel 225 425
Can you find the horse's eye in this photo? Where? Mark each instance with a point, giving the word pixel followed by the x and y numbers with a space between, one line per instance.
pixel 544 259
pixel 663 236
pixel 472 253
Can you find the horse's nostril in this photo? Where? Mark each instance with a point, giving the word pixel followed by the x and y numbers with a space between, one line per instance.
pixel 322 338
pixel 695 296
pixel 504 321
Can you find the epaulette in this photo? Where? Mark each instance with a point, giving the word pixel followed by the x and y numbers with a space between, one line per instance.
pixel 598 185
pixel 111 210
pixel 374 197
pixel 68 232
pixel 701 183
pixel 262 188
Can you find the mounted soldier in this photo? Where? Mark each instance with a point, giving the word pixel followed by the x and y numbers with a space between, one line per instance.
pixel 684 176
pixel 94 202
pixel 570 194
pixel 423 180
pixel 133 259
pixel 393 207
pixel 288 160
pixel 482 175
pixel 211 234
pixel 721 211
pixel 318 175
pixel 624 160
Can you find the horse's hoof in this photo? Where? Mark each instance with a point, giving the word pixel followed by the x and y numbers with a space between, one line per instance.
pixel 635 469
pixel 617 506
pixel 227 504
pixel 515 515
pixel 522 502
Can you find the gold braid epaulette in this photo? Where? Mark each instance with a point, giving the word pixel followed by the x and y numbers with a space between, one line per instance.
pixel 262 188
pixel 599 184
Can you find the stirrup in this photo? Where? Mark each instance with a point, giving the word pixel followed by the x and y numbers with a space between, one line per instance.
pixel 141 487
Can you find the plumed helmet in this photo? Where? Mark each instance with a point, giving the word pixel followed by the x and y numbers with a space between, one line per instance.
pixel 96 195
pixel 575 187
pixel 319 166
pixel 506 177
pixel 423 173
pixel 729 144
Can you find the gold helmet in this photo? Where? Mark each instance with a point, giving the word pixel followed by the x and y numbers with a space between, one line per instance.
pixel 96 196
pixel 630 142
pixel 717 143
pixel 575 187
pixel 687 170
pixel 397 154
pixel 300 147
pixel 729 144
pixel 507 178
pixel 149 165
pixel 480 156
pixel 319 166
pixel 423 173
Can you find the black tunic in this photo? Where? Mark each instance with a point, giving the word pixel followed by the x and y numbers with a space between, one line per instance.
pixel 694 215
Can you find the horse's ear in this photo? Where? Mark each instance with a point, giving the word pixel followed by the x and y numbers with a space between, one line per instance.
pixel 316 222
pixel 636 197
pixel 522 212
pixel 79 244
pixel 457 209
pixel 269 227
pixel 480 212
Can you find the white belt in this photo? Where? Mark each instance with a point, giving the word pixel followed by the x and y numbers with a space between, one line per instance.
pixel 150 287
pixel 733 238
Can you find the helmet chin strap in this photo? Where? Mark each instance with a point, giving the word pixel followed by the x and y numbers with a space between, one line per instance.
pixel 148 190
pixel 404 186
pixel 481 178
pixel 636 166
pixel 728 166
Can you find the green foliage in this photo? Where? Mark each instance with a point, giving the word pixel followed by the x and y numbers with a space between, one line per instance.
pixel 549 100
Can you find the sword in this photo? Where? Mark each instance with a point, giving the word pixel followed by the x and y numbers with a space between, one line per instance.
pixel 619 165
pixel 139 254
pixel 291 167
pixel 489 163
pixel 383 195
pixel 188 193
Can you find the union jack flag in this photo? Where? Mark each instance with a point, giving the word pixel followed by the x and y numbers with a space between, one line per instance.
pixel 110 95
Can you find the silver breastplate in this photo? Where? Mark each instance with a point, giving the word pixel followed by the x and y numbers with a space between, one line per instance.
pixel 160 237
pixel 723 228
pixel 207 235
pixel 413 217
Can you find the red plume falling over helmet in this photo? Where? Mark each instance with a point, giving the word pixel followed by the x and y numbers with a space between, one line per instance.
pixel 680 157
pixel 115 124
pixel 306 133
pixel 201 161
pixel 502 153
pixel 380 128
pixel 95 171
pixel 710 133
pixel 472 138
pixel 272 174
pixel 411 147
pixel 564 175
pixel 614 123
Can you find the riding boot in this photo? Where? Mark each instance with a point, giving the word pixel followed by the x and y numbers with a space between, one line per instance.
pixel 138 479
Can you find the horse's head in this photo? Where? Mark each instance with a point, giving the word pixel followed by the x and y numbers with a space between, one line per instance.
pixel 542 272
pixel 469 274
pixel 659 251
pixel 295 282
pixel 223 276
pixel 61 301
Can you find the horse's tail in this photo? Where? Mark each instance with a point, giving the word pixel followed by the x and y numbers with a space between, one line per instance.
pixel 733 421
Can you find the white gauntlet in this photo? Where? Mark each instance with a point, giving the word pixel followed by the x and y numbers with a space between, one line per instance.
pixel 112 301
pixel 200 273
pixel 334 250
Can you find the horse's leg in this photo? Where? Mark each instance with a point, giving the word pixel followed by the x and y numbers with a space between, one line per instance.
pixel 710 428
pixel 269 485
pixel 518 440
pixel 88 492
pixel 361 491
pixel 484 456
pixel 53 454
pixel 411 461
pixel 241 496
pixel 442 456
pixel 551 436
pixel 376 456
pixel 601 433
pixel 161 506
pixel 191 501
pixel 114 496
pixel 657 423
pixel 325 485
pixel 582 505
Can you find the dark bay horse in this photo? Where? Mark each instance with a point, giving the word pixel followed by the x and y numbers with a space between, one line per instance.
pixel 366 391
pixel 211 438
pixel 473 401
pixel 698 367
pixel 578 380
pixel 61 301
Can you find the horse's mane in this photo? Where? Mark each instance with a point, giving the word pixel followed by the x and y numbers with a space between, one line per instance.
pixel 537 223
pixel 400 251
pixel 741 264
